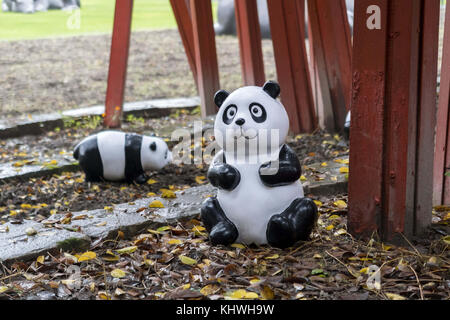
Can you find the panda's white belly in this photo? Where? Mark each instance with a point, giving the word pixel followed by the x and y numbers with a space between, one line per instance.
pixel 251 204
pixel 111 145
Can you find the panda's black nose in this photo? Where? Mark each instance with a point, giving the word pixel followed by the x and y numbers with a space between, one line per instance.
pixel 240 121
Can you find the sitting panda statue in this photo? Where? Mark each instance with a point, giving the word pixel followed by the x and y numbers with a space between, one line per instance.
pixel 254 203
pixel 118 156
pixel 347 126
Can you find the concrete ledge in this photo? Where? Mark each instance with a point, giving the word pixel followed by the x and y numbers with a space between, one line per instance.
pixel 131 218
pixel 39 123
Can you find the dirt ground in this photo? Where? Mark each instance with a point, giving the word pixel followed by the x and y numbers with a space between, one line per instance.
pixel 47 75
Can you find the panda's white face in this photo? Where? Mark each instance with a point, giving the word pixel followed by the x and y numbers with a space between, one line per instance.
pixel 253 116
pixel 155 153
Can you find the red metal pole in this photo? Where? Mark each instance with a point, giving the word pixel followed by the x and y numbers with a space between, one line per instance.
pixel 181 11
pixel 391 63
pixel 441 184
pixel 331 43
pixel 288 36
pixel 427 113
pixel 205 54
pixel 118 63
pixel 366 133
pixel 249 34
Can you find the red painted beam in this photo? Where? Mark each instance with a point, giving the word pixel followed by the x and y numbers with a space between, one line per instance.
pixel 288 36
pixel 205 54
pixel 118 63
pixel 426 113
pixel 181 11
pixel 390 67
pixel 330 40
pixel 441 184
pixel 249 34
pixel 367 121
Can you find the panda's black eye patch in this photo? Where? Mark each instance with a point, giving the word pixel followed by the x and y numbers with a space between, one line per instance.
pixel 153 146
pixel 258 112
pixel 229 113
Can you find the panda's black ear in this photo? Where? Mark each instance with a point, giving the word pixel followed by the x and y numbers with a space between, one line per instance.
pixel 272 88
pixel 220 97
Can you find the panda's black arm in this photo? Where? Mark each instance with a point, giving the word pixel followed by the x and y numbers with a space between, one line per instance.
pixel 222 175
pixel 288 172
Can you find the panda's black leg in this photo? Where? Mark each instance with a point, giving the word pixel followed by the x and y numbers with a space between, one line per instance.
pixel 141 179
pixel 292 225
pixel 93 178
pixel 221 229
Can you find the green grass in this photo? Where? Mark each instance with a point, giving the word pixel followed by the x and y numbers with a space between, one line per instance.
pixel 96 17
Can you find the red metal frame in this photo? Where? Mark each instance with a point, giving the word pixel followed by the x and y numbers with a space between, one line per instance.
pixel 330 42
pixel 288 37
pixel 181 11
pixel 249 34
pixel 441 185
pixel 390 69
pixel 427 113
pixel 205 54
pixel 118 63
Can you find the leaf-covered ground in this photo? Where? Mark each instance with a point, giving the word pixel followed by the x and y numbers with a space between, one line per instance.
pixel 177 262
pixel 37 198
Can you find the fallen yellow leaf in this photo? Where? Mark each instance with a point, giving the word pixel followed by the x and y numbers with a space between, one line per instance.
pixel 89 255
pixel 209 289
pixel 238 245
pixel 273 257
pixel 187 260
pixel 334 217
pixel 343 170
pixel 127 250
pixel 40 259
pixel 200 179
pixel 267 293
pixel 174 241
pixel 118 273
pixel 242 294
pixel 394 296
pixel 151 181
pixel 341 204
pixel 168 194
pixel 156 204
pixel 3 289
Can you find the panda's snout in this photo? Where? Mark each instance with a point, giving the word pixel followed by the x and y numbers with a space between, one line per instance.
pixel 240 122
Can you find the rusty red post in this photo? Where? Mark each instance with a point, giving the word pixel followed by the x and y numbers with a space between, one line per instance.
pixel 181 11
pixel 288 36
pixel 205 54
pixel 330 41
pixel 441 185
pixel 426 113
pixel 391 63
pixel 249 34
pixel 118 63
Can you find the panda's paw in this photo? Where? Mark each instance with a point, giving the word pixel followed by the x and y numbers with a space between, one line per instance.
pixel 280 232
pixel 223 233
pixel 224 176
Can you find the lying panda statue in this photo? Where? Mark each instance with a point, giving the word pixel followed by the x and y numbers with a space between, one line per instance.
pixel 118 156
pixel 254 205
